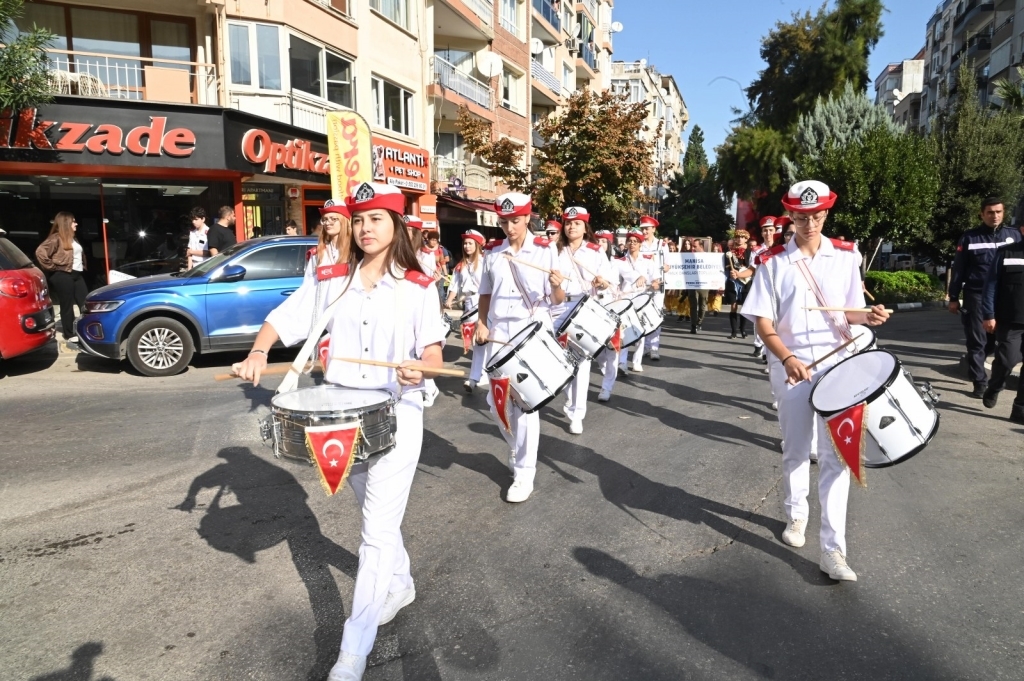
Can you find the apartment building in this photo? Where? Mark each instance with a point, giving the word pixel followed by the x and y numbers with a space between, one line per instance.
pixel 899 81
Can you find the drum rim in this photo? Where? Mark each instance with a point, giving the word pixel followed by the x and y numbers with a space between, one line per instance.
pixel 534 327
pixel 391 400
pixel 650 299
pixel 913 452
pixel 628 307
pixel 573 312
pixel 870 398
pixel 556 393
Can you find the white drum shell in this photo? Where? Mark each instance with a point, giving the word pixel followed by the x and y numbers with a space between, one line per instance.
pixel 538 368
pixel 632 328
pixel 865 338
pixel 589 326
pixel 648 313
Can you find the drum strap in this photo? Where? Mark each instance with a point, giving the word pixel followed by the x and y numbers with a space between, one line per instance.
pixel 838 318
pixel 532 307
pixel 579 270
pixel 291 379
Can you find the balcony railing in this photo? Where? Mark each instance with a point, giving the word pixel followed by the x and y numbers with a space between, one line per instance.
pixel 472 176
pixel 340 5
pixel 483 9
pixel 294 110
pixel 549 13
pixel 538 72
pixel 587 55
pixel 110 76
pixel 447 76
pixel 591 6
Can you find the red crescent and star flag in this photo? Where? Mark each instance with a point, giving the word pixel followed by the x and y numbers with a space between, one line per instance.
pixel 616 341
pixel 468 329
pixel 499 393
pixel 848 430
pixel 323 351
pixel 332 450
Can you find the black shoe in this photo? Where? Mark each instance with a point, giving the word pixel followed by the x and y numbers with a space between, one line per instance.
pixel 756 352
pixel 979 390
pixel 990 398
pixel 693 331
pixel 764 359
pixel 732 335
pixel 1017 413
pixel 743 334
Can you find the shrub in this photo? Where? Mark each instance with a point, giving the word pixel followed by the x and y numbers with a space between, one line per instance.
pixel 904 287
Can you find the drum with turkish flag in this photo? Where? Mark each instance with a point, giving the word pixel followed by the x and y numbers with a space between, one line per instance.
pixel 331 449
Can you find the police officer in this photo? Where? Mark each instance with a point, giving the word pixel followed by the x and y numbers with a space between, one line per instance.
pixel 1003 311
pixel 975 254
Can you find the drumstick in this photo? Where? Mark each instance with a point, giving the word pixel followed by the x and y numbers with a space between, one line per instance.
pixel 843 309
pixel 496 342
pixel 868 294
pixel 837 350
pixel 273 370
pixel 528 264
pixel 585 268
pixel 393 365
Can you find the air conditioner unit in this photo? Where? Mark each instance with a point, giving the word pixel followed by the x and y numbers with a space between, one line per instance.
pixel 572 44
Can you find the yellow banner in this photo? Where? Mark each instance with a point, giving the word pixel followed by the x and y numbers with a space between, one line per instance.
pixel 350 147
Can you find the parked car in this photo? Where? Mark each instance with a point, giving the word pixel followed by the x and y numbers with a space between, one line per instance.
pixel 26 313
pixel 158 323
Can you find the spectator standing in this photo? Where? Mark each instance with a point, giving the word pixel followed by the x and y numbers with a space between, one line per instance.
pixel 291 228
pixel 976 253
pixel 63 258
pixel 222 232
pixel 1003 312
pixel 197 250
pixel 673 297
pixel 698 297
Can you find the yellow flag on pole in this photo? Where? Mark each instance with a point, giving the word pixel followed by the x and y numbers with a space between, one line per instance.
pixel 350 148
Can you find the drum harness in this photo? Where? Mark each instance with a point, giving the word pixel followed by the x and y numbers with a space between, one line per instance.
pixel 533 311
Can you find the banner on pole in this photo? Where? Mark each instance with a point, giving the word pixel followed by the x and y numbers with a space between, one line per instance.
pixel 701 271
pixel 350 147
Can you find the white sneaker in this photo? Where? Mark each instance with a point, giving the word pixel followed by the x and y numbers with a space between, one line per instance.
pixel 469 386
pixel 519 492
pixel 794 534
pixel 638 368
pixel 576 427
pixel 349 667
pixel 775 406
pixel 565 409
pixel 655 355
pixel 604 396
pixel 395 602
pixel 72 339
pixel 833 563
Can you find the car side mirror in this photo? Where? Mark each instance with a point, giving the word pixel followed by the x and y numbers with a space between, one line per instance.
pixel 232 273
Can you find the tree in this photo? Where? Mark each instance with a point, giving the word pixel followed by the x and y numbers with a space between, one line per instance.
pixel 24 66
pixel 1011 94
pixel 750 160
pixel 694 205
pixel 597 154
pixel 840 120
pixel 695 158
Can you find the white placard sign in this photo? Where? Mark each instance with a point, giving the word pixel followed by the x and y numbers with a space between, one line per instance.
pixel 695 271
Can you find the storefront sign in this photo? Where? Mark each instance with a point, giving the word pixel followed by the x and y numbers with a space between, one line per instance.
pixel 295 154
pixel 400 165
pixel 258 146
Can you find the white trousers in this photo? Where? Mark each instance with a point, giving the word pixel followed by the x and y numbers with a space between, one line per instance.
pixel 576 395
pixel 609 360
pixel 802 429
pixel 653 341
pixel 381 487
pixel 638 354
pixel 522 441
pixel 481 353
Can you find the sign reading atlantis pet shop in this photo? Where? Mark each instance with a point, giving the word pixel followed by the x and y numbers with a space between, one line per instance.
pixel 704 271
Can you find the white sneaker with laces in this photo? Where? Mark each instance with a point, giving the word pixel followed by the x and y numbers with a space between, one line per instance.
pixel 519 492
pixel 395 602
pixel 638 368
pixel 349 667
pixel 604 396
pixel 833 563
pixel 576 427
pixel 794 534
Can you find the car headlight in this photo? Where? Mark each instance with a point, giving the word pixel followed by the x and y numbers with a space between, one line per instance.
pixel 103 305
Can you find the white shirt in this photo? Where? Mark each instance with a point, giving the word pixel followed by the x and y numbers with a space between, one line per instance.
pixel 466 280
pixel 367 324
pixel 659 249
pixel 779 291
pixel 519 293
pixel 630 271
pixel 76 262
pixel 197 242
pixel 581 267
pixel 428 261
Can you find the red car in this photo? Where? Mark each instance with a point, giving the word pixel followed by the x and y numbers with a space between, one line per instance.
pixel 26 313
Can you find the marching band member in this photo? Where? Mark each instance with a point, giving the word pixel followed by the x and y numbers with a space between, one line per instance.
pixel 429 264
pixel 609 358
pixel 738 261
pixel 636 274
pixel 511 296
pixel 809 271
pixel 655 249
pixel 466 289
pixel 767 241
pixel 388 310
pixel 580 256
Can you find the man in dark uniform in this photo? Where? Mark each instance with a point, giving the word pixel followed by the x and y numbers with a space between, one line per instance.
pixel 975 254
pixel 1003 311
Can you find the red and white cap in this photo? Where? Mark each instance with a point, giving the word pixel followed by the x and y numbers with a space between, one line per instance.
pixel 647 220
pixel 768 221
pixel 635 234
pixel 414 221
pixel 374 196
pixel 553 224
pixel 331 207
pixel 513 205
pixel 782 223
pixel 576 213
pixel 809 196
pixel 474 235
pixel 605 234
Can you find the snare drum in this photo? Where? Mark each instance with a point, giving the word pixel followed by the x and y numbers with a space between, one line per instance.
pixel 632 329
pixel 470 313
pixel 865 339
pixel 325 405
pixel 538 368
pixel 900 422
pixel 647 312
pixel 588 327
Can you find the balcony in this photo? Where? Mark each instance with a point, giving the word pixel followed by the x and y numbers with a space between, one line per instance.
pixel 462 84
pixel 443 170
pixel 974 14
pixel 109 76
pixel 297 108
pixel 588 58
pixel 547 20
pixel 591 8
pixel 465 19
pixel 979 45
pixel 546 84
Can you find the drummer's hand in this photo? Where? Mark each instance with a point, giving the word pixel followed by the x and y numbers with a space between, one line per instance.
pixel 877 315
pixel 600 284
pixel 796 371
pixel 408 374
pixel 656 285
pixel 665 268
pixel 481 334
pixel 555 279
pixel 640 283
pixel 989 325
pixel 251 368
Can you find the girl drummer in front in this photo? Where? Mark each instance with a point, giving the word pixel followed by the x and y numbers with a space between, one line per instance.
pixel 465 289
pixel 581 257
pixel 512 295
pixel 809 271
pixel 388 311
pixel 636 272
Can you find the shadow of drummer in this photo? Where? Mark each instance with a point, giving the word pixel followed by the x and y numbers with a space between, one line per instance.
pixel 271 509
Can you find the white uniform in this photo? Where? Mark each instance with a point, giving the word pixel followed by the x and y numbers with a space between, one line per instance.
pixel 466 282
pixel 630 271
pixel 755 256
pixel 519 295
pixel 394 321
pixel 197 242
pixel 609 359
pixel 428 261
pixel 657 249
pixel 781 292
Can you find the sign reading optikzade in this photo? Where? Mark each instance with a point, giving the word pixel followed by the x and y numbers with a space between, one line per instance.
pixel 704 271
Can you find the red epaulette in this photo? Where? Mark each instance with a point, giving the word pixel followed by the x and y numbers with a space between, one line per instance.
pixel 623 258
pixel 648 256
pixel 494 244
pixel 458 268
pixel 542 241
pixel 418 278
pixel 843 245
pixel 593 247
pixel 770 253
pixel 310 253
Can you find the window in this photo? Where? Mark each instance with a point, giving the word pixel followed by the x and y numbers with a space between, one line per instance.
pixel 448 145
pixel 510 84
pixel 393 107
pixel 510 16
pixel 277 262
pixel 264 61
pixel 569 78
pixel 462 60
pixel 309 64
pixel 395 10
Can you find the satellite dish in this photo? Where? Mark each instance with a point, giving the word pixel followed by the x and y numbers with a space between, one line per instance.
pixel 490 65
pixel 536 46
pixel 575 29
pixel 617 27
pixel 897 94
pixel 664 92
pixel 643 62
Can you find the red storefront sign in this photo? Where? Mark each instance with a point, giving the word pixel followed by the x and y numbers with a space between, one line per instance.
pixel 295 154
pixel 154 139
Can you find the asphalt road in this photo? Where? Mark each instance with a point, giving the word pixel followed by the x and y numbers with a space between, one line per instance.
pixel 650 550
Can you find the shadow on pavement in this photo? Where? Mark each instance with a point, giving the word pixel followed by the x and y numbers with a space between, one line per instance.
pixel 272 509
pixel 80 669
pixel 442 454
pixel 759 630
pixel 37 360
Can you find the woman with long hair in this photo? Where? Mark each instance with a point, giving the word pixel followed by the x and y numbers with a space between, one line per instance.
pixel 63 258
pixel 465 290
pixel 715 297
pixel 608 360
pixel 684 301
pixel 673 297
pixel 388 311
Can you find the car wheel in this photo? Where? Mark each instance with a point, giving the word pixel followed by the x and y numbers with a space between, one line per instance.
pixel 160 347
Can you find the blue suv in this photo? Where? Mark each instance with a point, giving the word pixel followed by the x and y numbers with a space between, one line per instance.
pixel 160 322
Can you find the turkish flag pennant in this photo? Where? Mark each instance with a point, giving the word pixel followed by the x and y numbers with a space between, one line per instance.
pixel 332 449
pixel 616 341
pixel 468 329
pixel 563 340
pixel 323 351
pixel 499 393
pixel 848 431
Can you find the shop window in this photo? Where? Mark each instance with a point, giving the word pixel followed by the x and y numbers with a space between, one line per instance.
pixel 264 61
pixel 395 10
pixel 393 107
pixel 275 262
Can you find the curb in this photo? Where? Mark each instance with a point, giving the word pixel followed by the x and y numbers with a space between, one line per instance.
pixel 929 305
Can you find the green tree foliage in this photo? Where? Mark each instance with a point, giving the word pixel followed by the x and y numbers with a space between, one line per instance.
pixel 1011 94
pixel 24 66
pixel 695 157
pixel 840 120
pixel 594 157
pixel 694 205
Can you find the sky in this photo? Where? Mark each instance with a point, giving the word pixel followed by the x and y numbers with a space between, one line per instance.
pixel 698 41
